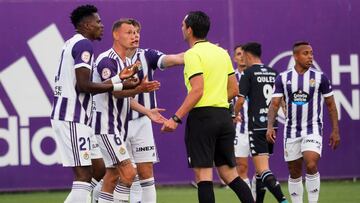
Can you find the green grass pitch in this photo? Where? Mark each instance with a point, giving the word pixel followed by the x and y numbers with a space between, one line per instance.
pixel 331 192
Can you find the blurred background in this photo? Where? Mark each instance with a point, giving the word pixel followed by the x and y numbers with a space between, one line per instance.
pixel 33 32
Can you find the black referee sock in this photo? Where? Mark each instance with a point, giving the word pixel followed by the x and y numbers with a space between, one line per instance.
pixel 206 192
pixel 272 185
pixel 260 190
pixel 242 190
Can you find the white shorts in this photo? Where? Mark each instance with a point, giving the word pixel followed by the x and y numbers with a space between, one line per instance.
pixel 113 149
pixel 95 152
pixel 241 144
pixel 140 141
pixel 73 142
pixel 294 147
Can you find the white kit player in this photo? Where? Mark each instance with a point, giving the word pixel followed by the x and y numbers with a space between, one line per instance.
pixel 305 89
pixel 71 114
pixel 241 142
pixel 111 115
pixel 140 138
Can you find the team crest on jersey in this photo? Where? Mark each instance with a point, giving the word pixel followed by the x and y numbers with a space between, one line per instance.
pixel 312 82
pixel 105 73
pixel 122 150
pixel 86 156
pixel 85 56
pixel 300 97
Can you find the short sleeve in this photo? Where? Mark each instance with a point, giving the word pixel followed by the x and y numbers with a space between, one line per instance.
pixel 193 65
pixel 153 58
pixel 106 68
pixel 83 53
pixel 244 85
pixel 325 86
pixel 278 87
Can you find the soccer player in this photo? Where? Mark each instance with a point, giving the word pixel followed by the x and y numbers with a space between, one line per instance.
pixel 209 134
pixel 305 90
pixel 140 138
pixel 241 143
pixel 112 111
pixel 256 84
pixel 71 114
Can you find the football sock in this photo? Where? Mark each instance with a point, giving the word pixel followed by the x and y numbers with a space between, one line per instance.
pixel 312 184
pixel 206 192
pixel 260 190
pixel 272 185
pixel 135 191
pixel 105 197
pixel 296 190
pixel 121 193
pixel 80 192
pixel 242 190
pixel 148 190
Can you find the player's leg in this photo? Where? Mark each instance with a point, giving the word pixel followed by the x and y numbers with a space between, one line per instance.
pixel 118 165
pixel 200 148
pixel 145 154
pixel 225 160
pixel 242 152
pixel 260 152
pixel 311 148
pixel 127 174
pixel 98 168
pixel 293 157
pixel 73 142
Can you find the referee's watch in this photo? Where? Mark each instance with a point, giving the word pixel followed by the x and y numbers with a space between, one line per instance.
pixel 176 119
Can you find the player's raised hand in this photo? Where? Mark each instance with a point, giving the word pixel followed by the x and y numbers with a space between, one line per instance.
pixel 129 71
pixel 169 126
pixel 155 115
pixel 334 140
pixel 270 135
pixel 130 83
pixel 148 86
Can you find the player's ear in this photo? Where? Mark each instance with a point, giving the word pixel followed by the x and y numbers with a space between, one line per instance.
pixel 115 35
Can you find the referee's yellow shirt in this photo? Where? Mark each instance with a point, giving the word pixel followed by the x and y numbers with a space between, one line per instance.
pixel 215 65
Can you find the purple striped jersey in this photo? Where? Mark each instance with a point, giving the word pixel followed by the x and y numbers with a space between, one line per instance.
pixel 70 104
pixel 150 60
pixel 243 126
pixel 110 114
pixel 304 95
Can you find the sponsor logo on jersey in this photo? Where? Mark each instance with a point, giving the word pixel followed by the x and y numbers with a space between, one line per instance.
pixel 85 56
pixel 105 73
pixel 300 97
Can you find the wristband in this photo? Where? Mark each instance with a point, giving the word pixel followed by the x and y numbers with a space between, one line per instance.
pixel 176 119
pixel 115 79
pixel 118 87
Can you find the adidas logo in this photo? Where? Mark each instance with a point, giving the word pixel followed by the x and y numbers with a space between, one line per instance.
pixel 294 194
pixel 288 82
pixel 314 191
pixel 19 106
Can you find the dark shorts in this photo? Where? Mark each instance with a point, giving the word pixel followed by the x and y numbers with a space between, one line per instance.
pixel 209 138
pixel 258 143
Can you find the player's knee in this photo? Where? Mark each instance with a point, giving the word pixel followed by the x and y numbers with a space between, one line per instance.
pixel 128 177
pixel 295 172
pixel 311 167
pixel 242 169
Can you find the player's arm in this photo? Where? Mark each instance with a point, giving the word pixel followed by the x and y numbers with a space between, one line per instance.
pixel 232 87
pixel 273 109
pixel 144 86
pixel 276 102
pixel 325 89
pixel 335 136
pixel 193 97
pixel 153 114
pixel 172 60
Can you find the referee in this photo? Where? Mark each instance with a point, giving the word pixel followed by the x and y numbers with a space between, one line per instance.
pixel 209 137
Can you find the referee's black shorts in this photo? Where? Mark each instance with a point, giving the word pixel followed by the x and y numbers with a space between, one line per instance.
pixel 209 137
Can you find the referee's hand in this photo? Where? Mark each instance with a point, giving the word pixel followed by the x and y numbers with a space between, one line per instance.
pixel 271 135
pixel 169 126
